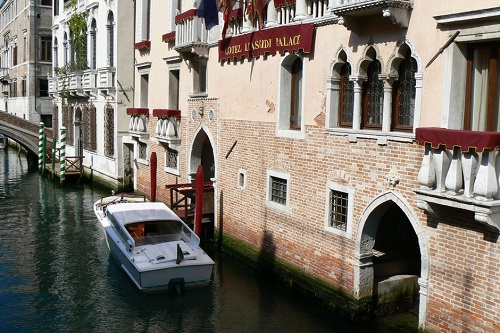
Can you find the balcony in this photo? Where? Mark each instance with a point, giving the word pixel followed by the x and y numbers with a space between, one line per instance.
pixel 106 78
pixel 4 73
pixel 191 36
pixel 460 169
pixel 168 127
pixel 352 12
pixel 138 124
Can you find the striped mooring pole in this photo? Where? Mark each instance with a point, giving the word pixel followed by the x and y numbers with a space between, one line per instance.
pixel 62 172
pixel 41 131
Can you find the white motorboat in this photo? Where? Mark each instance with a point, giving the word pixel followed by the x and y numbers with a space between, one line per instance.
pixel 155 248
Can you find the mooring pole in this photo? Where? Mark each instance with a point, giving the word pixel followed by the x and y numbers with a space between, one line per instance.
pixel 62 171
pixel 54 145
pixel 198 209
pixel 44 155
pixel 153 164
pixel 41 130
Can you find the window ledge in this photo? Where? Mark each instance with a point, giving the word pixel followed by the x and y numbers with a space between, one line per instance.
pixel 485 211
pixel 381 137
pixel 482 14
pixel 172 171
pixel 292 134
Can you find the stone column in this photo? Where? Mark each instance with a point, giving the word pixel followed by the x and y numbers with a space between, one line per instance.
pixel 272 15
pixel 387 107
pixel 356 117
pixel 300 10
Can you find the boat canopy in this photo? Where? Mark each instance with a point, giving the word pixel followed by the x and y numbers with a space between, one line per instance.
pixel 141 212
pixel 132 221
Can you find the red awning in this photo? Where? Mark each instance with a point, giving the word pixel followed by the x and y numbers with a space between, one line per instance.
pixel 169 37
pixel 451 138
pixel 137 111
pixel 166 113
pixel 188 15
pixel 144 45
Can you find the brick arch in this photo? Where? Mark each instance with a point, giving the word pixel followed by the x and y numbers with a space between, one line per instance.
pixel 365 240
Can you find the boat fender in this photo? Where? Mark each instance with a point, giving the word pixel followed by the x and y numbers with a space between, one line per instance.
pixel 176 286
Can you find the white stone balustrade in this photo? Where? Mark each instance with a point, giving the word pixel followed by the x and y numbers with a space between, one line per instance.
pixel 470 174
pixel 168 128
pixel 106 77
pixel 189 31
pixel 52 84
pixel 75 81
pixel 138 124
pixel 89 79
pixel 317 8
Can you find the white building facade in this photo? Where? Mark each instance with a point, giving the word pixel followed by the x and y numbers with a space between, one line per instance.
pixel 92 82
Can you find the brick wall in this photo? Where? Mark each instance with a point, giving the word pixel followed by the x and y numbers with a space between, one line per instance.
pixel 463 284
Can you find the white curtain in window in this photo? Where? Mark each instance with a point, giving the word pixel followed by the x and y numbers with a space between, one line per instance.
pixel 480 90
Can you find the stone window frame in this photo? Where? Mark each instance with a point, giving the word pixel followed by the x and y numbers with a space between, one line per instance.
pixel 332 186
pixel 284 97
pixel 274 205
pixel 473 29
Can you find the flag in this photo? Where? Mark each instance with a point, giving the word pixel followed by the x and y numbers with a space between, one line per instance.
pixel 257 8
pixel 226 6
pixel 208 10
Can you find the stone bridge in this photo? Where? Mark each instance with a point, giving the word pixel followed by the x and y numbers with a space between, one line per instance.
pixel 24 133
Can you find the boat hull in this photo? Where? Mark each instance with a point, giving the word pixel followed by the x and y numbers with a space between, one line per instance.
pixel 193 274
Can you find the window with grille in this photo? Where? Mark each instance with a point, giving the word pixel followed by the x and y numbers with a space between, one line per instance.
pixel 338 214
pixel 373 97
pixel 278 190
pixel 404 90
pixel 346 96
pixel 23 87
pixel 172 156
pixel 338 210
pixel 143 150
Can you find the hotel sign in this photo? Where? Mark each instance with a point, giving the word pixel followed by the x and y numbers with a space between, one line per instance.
pixel 292 38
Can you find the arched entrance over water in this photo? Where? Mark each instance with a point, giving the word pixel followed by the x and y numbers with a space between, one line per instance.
pixel 202 153
pixel 391 253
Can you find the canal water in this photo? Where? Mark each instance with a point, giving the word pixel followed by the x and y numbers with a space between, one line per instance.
pixel 56 275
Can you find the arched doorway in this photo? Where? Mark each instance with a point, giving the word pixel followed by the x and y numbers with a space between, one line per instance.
pixel 391 257
pixel 202 153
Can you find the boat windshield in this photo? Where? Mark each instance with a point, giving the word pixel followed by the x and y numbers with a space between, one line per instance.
pixel 154 232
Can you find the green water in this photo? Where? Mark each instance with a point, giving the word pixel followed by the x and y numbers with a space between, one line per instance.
pixel 56 275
